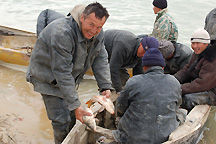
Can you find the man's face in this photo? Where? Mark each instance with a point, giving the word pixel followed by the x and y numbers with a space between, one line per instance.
pixel 91 25
pixel 198 47
pixel 156 10
pixel 140 51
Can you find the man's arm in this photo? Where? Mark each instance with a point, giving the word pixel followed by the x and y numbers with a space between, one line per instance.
pixel 61 66
pixel 122 102
pixel 204 82
pixel 101 70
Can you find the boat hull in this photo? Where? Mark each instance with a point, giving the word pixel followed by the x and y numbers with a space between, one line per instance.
pixel 187 133
pixel 16 45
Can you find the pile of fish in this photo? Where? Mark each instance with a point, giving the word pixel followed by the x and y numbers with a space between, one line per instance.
pixel 97 104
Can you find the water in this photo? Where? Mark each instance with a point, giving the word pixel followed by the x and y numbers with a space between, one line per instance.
pixel 135 16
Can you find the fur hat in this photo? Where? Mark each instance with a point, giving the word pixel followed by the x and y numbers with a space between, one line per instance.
pixel 162 4
pixel 153 57
pixel 200 35
pixel 149 42
pixel 167 48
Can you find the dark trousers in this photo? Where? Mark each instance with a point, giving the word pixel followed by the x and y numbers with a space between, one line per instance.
pixel 62 118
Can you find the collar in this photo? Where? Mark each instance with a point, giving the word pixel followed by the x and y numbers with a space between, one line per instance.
pixel 155 68
pixel 162 12
pixel 209 53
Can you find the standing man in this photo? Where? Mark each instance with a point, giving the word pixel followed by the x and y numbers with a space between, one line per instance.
pixel 198 77
pixel 176 55
pixel 210 25
pixel 148 104
pixel 164 25
pixel 64 51
pixel 125 50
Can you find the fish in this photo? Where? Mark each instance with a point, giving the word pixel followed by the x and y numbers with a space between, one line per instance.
pixel 89 120
pixel 105 102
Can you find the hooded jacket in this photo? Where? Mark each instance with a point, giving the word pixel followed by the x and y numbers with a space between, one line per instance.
pixel 61 57
pixel 122 48
pixel 148 104
pixel 199 74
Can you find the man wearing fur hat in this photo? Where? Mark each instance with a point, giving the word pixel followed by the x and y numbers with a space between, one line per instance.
pixel 164 25
pixel 198 77
pixel 125 50
pixel 176 55
pixel 65 49
pixel 148 104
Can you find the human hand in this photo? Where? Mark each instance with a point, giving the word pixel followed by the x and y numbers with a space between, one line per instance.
pixel 80 112
pixel 106 93
pixel 117 121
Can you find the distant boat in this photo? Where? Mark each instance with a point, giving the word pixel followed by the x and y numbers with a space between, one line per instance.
pixel 188 133
pixel 16 45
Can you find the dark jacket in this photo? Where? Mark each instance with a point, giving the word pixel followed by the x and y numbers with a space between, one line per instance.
pixel 46 17
pixel 210 24
pixel 148 104
pixel 180 58
pixel 61 57
pixel 200 75
pixel 122 48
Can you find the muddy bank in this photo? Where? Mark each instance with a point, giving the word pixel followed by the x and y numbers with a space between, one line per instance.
pixel 23 116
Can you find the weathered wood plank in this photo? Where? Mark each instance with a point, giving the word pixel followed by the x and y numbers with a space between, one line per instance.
pixel 192 128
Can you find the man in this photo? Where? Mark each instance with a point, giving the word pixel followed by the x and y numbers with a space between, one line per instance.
pixel 197 78
pixel 164 25
pixel 64 51
pixel 148 104
pixel 125 50
pixel 210 25
pixel 176 55
pixel 46 17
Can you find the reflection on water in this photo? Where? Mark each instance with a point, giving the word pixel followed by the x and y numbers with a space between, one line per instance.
pixel 18 98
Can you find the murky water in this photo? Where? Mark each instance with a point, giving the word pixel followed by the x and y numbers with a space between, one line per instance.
pixel 26 107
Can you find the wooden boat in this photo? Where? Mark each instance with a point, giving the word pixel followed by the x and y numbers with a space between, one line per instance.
pixel 16 45
pixel 187 133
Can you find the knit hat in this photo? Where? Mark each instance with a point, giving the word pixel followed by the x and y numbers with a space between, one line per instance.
pixel 200 35
pixel 149 42
pixel 166 48
pixel 162 4
pixel 153 57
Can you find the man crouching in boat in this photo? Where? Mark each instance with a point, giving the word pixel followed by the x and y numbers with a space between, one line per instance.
pixel 148 104
pixel 64 51
pixel 198 77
